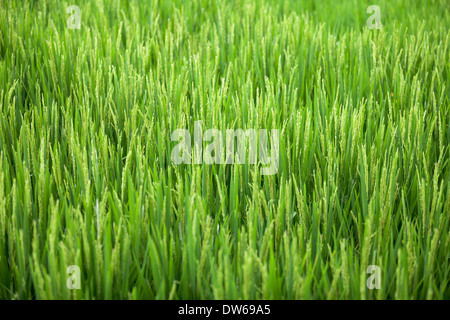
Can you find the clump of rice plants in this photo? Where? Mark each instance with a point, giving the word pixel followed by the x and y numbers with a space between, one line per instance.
pixel 87 179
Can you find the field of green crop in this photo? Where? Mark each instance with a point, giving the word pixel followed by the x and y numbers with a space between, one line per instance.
pixel 87 180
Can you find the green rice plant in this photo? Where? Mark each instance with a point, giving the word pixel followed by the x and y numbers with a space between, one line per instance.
pixel 87 179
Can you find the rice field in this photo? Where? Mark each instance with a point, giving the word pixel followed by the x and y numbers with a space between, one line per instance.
pixel 87 178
